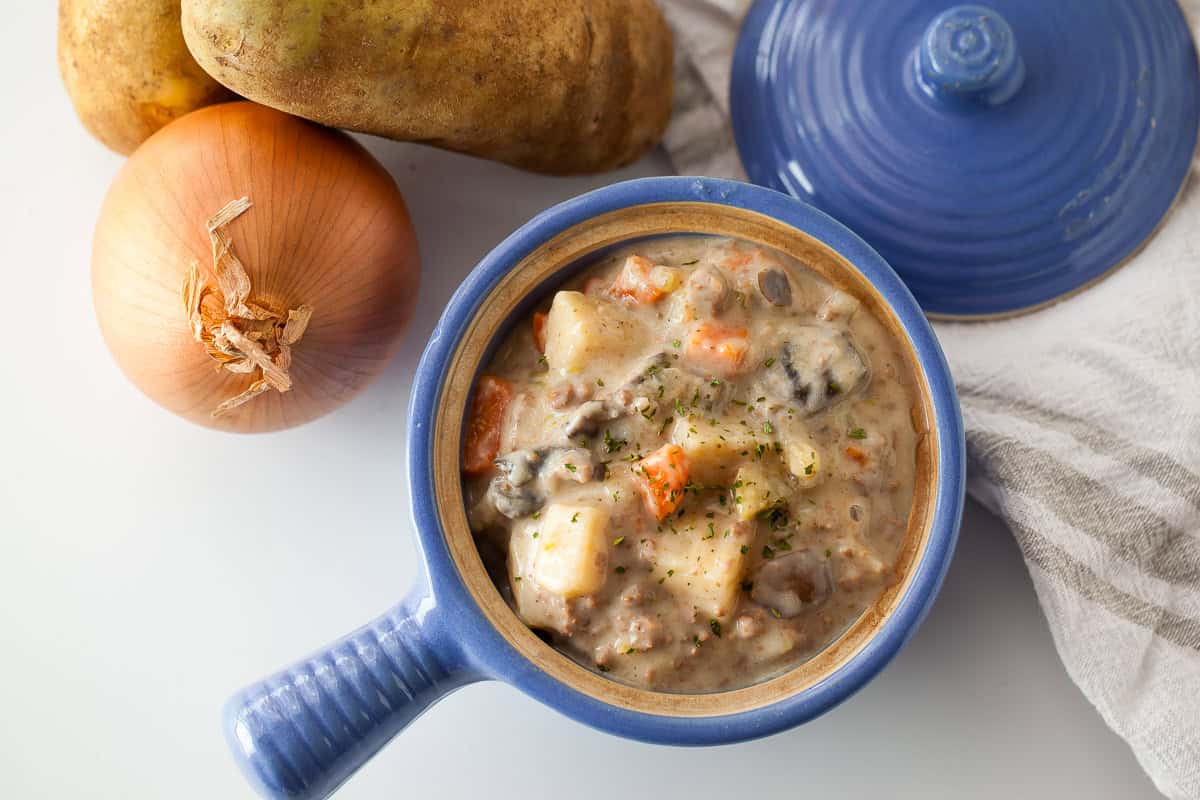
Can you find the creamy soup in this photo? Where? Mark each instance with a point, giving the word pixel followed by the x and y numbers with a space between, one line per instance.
pixel 694 468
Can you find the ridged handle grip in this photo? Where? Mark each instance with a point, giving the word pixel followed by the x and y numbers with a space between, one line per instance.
pixel 969 55
pixel 303 731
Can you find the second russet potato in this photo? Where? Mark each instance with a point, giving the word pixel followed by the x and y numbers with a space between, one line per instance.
pixel 558 87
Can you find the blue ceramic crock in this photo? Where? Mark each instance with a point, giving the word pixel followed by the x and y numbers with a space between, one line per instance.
pixel 303 731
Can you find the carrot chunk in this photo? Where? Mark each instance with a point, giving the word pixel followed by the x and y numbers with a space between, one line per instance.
pixel 539 330
pixel 718 347
pixel 636 282
pixel 482 442
pixel 857 455
pixel 661 477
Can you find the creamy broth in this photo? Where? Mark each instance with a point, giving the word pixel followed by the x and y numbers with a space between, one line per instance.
pixel 694 467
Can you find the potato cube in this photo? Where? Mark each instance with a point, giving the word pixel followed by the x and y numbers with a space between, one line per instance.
pixel 714 450
pixel 570 549
pixel 583 330
pixel 536 606
pixel 702 561
pixel 755 490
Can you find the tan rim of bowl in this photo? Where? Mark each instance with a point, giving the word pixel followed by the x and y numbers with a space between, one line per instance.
pixel 572 246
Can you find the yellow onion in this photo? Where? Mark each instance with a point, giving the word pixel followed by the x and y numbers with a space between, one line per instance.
pixel 252 271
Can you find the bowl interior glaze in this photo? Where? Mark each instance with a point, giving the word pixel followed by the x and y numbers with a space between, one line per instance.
pixel 539 273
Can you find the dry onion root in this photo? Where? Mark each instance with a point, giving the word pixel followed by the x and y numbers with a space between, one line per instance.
pixel 240 335
pixel 327 230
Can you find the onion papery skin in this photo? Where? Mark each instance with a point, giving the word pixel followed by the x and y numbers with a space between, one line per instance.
pixel 328 227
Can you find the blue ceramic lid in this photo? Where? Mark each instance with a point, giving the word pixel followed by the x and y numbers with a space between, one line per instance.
pixel 998 157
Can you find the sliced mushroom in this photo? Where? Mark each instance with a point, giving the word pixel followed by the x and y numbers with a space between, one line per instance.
pixel 528 477
pixel 816 368
pixel 513 501
pixel 648 369
pixel 775 286
pixel 520 466
pixel 588 417
pixel 569 464
pixel 513 492
pixel 792 584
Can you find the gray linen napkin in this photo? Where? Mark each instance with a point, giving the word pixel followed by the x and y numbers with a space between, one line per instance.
pixel 1083 433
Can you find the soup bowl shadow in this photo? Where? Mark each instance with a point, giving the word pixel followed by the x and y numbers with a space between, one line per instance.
pixel 303 731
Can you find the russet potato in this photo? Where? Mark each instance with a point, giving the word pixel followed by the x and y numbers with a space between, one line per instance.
pixel 127 69
pixel 571 86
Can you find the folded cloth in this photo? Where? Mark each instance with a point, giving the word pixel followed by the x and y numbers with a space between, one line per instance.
pixel 1083 433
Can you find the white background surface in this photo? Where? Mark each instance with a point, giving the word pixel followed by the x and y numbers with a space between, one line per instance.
pixel 137 589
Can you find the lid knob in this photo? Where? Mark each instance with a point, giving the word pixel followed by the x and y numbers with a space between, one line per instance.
pixel 969 56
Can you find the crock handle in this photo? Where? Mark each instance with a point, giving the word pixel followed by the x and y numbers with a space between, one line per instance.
pixel 303 731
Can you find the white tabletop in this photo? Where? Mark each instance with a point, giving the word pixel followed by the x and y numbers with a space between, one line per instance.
pixel 137 592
